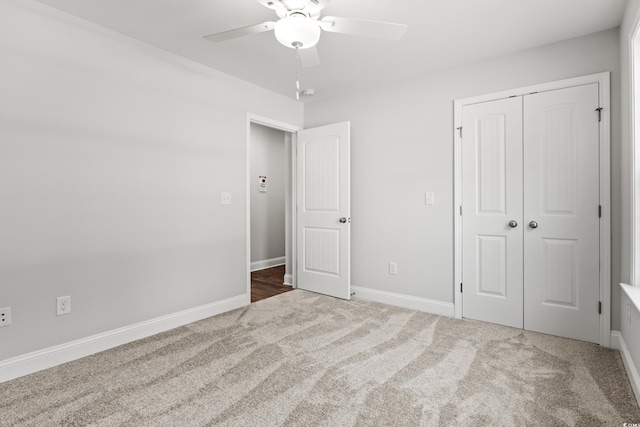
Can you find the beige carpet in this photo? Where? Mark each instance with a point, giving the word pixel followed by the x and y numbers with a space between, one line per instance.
pixel 300 359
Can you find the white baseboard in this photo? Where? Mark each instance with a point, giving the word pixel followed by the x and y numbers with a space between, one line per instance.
pixel 406 301
pixel 268 263
pixel 63 353
pixel 617 342
pixel 288 279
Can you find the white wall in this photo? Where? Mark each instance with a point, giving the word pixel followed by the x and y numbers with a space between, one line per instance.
pixel 402 146
pixel 113 155
pixel 268 158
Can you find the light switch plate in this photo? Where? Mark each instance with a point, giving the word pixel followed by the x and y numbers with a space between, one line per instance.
pixel 429 198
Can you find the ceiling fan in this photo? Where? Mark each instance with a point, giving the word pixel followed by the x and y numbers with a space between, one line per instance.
pixel 299 27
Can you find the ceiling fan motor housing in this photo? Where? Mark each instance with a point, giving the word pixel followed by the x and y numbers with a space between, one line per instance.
pixel 297 30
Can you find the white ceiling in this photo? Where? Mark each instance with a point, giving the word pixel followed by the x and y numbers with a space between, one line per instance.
pixel 441 34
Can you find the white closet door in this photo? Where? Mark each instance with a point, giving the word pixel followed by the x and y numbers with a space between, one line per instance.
pixel 491 199
pixel 561 187
pixel 324 223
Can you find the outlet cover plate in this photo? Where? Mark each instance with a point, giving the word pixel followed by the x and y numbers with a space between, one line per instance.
pixel 5 316
pixel 393 268
pixel 63 305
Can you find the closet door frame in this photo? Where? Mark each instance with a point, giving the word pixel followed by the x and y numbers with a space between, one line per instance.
pixel 603 81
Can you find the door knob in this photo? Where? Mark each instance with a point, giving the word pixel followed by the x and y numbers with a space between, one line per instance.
pixel 343 220
pixel 513 224
pixel 533 224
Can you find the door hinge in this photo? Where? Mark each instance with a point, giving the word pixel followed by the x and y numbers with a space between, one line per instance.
pixel 460 130
pixel 460 210
pixel 460 287
pixel 599 211
pixel 599 307
pixel 599 110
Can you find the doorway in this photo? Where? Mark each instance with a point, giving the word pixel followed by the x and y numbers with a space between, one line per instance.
pixel 317 212
pixel 269 194
pixel 532 202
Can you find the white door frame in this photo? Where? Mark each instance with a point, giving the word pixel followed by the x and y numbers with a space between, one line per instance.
pixel 634 161
pixel 291 226
pixel 605 186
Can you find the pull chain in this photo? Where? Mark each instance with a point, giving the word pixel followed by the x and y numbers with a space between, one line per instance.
pixel 297 73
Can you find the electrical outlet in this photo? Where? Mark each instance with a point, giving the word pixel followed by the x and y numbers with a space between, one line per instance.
pixel 5 316
pixel 63 305
pixel 393 268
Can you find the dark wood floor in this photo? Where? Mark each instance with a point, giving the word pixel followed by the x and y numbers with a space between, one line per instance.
pixel 268 283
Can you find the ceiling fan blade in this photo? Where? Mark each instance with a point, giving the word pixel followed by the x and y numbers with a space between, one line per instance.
pixel 315 7
pixel 361 27
pixel 309 57
pixel 278 6
pixel 271 4
pixel 241 32
pixel 282 7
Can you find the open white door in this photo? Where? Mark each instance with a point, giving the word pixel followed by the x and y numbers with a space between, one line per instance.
pixel 324 212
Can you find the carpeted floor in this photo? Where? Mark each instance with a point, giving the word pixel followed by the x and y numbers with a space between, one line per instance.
pixel 301 359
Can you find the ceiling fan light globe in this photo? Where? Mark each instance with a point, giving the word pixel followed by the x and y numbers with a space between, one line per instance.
pixel 297 31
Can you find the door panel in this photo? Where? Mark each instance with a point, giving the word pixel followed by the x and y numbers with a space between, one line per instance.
pixel 491 198
pixel 561 184
pixel 323 178
pixel 542 275
pixel 322 250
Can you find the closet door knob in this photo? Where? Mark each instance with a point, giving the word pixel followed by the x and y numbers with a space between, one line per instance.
pixel 343 220
pixel 533 224
pixel 513 224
